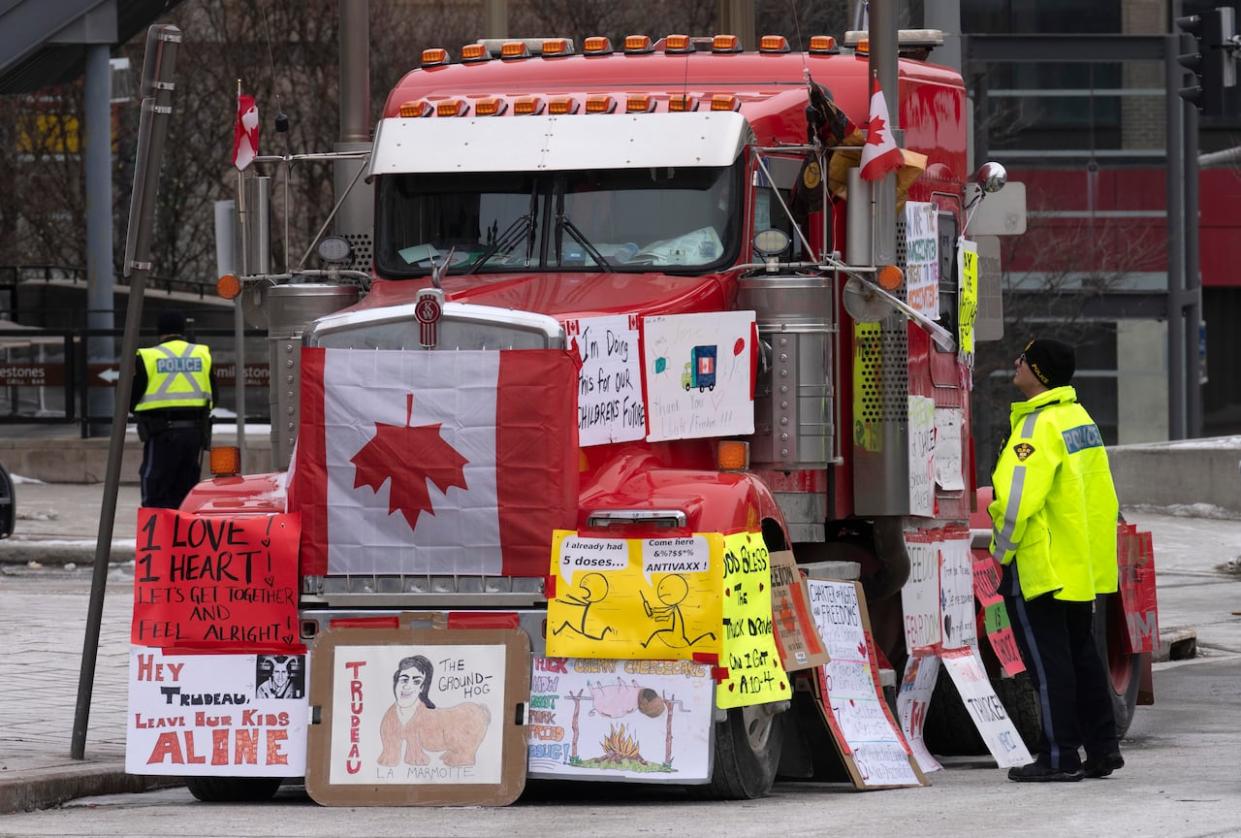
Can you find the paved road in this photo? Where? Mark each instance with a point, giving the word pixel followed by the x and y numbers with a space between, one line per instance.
pixel 1181 780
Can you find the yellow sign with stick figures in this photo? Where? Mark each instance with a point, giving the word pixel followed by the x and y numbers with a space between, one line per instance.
pixel 650 598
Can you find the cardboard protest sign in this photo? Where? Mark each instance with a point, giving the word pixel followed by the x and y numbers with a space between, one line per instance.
pixel 922 257
pixel 996 622
pixel 699 372
pixel 749 655
pixel 610 407
pixel 921 456
pixel 967 297
pixel 949 448
pixel 215 583
pixel 216 715
pixel 637 720
pixel 917 687
pixel 621 599
pixel 920 597
pixel 956 582
pixel 410 716
pixel 797 637
pixel 865 733
pixel 1136 555
pixel 985 708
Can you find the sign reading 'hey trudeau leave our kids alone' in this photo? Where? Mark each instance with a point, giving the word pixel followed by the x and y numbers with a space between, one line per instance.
pixel 226 584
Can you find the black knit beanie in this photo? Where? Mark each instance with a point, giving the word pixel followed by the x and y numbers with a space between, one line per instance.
pixel 170 323
pixel 1051 361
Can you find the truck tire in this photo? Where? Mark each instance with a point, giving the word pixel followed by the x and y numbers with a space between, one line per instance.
pixel 950 731
pixel 233 789
pixel 1124 670
pixel 747 753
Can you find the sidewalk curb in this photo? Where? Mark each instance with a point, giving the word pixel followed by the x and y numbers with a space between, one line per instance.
pixel 41 788
pixel 22 552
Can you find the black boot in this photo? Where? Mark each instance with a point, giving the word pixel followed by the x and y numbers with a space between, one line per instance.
pixel 1037 772
pixel 1104 765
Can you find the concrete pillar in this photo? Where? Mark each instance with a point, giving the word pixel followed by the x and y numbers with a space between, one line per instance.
pixel 97 157
pixel 1141 381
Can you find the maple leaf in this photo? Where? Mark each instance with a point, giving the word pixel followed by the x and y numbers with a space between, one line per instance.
pixel 874 130
pixel 409 457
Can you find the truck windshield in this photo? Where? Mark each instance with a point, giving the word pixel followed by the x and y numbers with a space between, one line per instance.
pixel 678 220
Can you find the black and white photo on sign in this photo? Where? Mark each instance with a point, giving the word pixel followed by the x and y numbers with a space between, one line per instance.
pixel 280 676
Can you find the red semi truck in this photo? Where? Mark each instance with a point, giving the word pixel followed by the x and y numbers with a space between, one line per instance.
pixel 532 184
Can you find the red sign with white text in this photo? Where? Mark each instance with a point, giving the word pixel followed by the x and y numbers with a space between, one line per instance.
pixel 205 583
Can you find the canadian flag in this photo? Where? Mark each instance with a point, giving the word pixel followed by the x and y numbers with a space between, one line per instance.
pixel 880 155
pixel 438 462
pixel 245 132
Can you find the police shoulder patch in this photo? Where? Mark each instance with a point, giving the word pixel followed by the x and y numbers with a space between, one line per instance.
pixel 1023 450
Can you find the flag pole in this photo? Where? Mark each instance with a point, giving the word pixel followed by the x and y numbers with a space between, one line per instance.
pixel 239 326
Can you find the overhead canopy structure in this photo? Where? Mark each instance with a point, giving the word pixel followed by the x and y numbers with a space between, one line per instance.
pixel 44 42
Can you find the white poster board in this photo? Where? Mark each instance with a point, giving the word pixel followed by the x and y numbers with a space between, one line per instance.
pixel 426 715
pixel 921 672
pixel 920 598
pixel 216 715
pixel 609 391
pixel 698 370
pixel 641 721
pixel 857 712
pixel 922 456
pixel 922 258
pixel 957 591
pixel 986 709
pixel 948 448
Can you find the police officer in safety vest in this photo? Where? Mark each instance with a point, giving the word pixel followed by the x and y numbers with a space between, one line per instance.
pixel 1054 518
pixel 172 397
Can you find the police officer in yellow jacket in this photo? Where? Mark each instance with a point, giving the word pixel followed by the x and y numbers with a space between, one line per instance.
pixel 173 392
pixel 1054 518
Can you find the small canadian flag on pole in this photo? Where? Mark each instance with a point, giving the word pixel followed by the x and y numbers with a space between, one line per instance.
pixel 245 132
pixel 880 155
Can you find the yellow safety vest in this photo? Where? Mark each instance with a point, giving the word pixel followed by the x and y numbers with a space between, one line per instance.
pixel 1055 506
pixel 178 375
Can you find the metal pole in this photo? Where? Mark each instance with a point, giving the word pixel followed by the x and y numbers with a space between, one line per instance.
pixel 1193 279
pixel 495 19
pixel 157 89
pixel 100 283
pixel 736 17
pixel 1176 240
pixel 883 66
pixel 355 71
pixel 226 263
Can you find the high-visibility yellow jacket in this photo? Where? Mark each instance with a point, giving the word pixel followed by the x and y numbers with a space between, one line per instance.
pixel 178 375
pixel 1055 506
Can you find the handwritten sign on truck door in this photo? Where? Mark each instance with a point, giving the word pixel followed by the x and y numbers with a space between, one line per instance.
pixel 215 583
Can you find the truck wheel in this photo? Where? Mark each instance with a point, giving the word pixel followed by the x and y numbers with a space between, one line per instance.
pixel 747 754
pixel 1124 670
pixel 233 789
pixel 950 731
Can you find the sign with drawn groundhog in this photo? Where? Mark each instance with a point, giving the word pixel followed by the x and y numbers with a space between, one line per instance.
pixel 418 716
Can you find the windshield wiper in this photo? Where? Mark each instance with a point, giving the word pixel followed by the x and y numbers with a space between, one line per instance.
pixel 563 223
pixel 513 234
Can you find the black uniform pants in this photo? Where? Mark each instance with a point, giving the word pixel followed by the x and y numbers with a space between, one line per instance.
pixel 1058 646
pixel 171 466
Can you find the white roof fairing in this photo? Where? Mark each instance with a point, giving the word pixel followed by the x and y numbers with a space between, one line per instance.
pixel 426 145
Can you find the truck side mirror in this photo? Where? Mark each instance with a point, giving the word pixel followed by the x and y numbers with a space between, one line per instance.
pixel 991 177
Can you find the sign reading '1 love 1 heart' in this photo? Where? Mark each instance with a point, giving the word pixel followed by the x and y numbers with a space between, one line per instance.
pixel 214 583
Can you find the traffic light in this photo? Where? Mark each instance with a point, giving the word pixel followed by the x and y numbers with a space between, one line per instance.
pixel 1213 61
